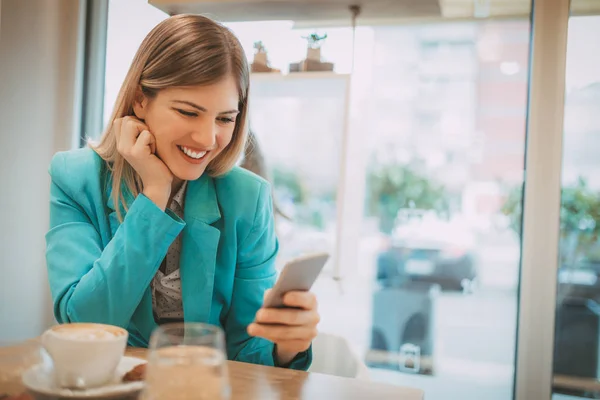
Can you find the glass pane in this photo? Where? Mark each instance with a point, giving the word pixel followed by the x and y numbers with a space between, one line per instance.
pixel 434 174
pixel 123 37
pixel 577 330
pixel 444 175
pixel 297 123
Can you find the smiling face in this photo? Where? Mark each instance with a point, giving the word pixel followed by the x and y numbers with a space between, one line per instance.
pixel 192 125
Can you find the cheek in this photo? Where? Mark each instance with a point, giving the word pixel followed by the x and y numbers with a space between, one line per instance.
pixel 224 138
pixel 168 130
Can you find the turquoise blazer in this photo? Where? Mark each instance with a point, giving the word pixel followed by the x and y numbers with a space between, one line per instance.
pixel 100 270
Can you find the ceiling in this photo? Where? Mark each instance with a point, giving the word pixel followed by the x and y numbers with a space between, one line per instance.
pixel 307 10
pixel 506 8
pixel 372 11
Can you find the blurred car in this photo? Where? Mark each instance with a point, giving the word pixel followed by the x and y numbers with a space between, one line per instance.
pixel 425 248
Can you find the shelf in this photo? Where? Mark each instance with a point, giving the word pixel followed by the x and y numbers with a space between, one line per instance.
pixel 275 76
pixel 300 85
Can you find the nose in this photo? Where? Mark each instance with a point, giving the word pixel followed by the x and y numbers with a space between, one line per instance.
pixel 205 134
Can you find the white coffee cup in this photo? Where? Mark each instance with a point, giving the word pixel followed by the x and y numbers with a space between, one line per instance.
pixel 84 355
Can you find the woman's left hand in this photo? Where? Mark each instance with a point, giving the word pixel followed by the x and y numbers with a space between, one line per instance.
pixel 291 329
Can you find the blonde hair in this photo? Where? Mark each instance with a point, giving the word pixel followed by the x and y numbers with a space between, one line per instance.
pixel 183 50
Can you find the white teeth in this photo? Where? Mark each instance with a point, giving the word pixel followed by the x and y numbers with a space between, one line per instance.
pixel 192 154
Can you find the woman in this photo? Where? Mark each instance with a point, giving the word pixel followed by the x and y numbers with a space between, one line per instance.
pixel 155 224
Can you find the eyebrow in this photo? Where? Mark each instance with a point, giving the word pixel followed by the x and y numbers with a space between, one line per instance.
pixel 200 108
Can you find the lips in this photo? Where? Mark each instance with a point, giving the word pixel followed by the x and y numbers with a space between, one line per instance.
pixel 193 153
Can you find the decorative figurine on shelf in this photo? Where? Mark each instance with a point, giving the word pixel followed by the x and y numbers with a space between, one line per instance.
pixel 313 56
pixel 261 60
pixel 313 50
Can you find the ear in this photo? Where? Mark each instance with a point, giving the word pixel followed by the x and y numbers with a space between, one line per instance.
pixel 140 104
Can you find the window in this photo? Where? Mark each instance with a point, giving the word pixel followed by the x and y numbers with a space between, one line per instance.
pixel 426 140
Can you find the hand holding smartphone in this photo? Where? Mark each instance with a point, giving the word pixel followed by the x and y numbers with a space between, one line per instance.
pixel 298 274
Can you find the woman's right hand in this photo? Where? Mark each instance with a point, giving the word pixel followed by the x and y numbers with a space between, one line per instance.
pixel 138 146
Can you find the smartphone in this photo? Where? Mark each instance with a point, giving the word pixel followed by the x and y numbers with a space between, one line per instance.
pixel 298 274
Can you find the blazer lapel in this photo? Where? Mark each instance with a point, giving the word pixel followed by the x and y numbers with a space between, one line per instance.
pixel 199 245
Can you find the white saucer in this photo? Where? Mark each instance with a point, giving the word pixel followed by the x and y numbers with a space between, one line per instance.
pixel 39 382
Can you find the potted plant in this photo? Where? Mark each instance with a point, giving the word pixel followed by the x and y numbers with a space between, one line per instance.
pixel 579 211
pixel 313 50
pixel 261 59
pixel 392 187
pixel 260 53
pixel 313 55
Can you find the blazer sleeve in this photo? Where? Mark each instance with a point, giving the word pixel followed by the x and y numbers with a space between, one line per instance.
pixel 255 273
pixel 90 282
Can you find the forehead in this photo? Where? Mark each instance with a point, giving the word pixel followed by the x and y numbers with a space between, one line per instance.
pixel 219 96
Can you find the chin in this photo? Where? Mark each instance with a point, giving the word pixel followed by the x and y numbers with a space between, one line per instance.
pixel 187 171
pixel 189 175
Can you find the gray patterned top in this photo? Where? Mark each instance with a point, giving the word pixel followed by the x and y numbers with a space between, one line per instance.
pixel 166 285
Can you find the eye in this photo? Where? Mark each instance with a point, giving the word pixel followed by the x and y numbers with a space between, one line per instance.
pixel 226 120
pixel 186 113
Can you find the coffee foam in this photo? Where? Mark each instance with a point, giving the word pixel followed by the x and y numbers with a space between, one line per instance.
pixel 87 332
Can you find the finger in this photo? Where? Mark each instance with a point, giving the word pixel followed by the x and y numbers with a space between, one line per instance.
pixel 305 300
pixel 276 333
pixel 131 128
pixel 143 144
pixel 134 122
pixel 145 138
pixel 284 316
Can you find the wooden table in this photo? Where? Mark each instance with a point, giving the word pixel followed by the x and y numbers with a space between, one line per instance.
pixel 248 381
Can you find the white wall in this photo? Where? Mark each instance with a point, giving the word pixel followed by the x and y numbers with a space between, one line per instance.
pixel 38 48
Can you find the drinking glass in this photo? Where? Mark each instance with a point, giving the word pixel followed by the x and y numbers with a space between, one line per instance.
pixel 187 361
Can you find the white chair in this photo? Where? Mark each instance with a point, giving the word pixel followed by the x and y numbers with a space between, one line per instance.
pixel 333 355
